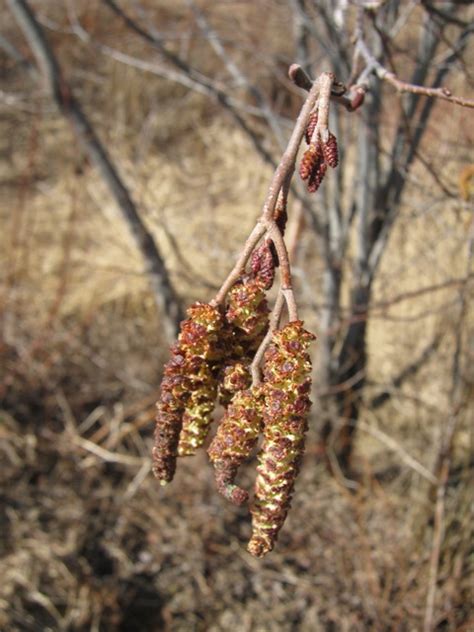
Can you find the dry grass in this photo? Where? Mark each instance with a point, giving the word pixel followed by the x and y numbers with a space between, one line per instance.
pixel 88 540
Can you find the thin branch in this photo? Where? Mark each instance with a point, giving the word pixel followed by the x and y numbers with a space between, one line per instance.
pixel 272 327
pixel 195 80
pixel 393 445
pixel 257 233
pixel 292 236
pixel 282 174
pixel 444 456
pixel 239 77
pixel 403 86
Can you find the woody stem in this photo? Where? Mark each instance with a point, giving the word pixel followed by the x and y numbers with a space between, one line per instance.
pixel 282 175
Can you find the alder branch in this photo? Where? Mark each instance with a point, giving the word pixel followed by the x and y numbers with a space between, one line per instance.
pixel 239 77
pixel 338 90
pixel 404 86
pixel 164 293
pixel 266 224
pixel 282 174
pixel 273 324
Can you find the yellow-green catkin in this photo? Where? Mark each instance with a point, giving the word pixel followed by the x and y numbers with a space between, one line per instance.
pixel 189 381
pixel 286 388
pixel 205 338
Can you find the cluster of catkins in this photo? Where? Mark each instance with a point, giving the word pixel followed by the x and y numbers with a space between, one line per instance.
pixel 319 155
pixel 210 362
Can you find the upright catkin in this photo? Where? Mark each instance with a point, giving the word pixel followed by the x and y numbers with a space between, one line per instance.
pixel 286 388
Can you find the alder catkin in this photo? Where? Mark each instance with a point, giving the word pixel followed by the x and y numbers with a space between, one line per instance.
pixel 173 397
pixel 311 157
pixel 235 439
pixel 286 388
pixel 330 151
pixel 235 377
pixel 203 333
pixel 317 175
pixel 263 265
pixel 247 313
pixel 189 381
pixel 311 126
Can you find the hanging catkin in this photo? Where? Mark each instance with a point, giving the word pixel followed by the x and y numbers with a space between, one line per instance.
pixel 286 387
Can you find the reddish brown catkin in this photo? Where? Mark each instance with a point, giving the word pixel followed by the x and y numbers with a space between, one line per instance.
pixel 310 159
pixel 235 439
pixel 235 377
pixel 263 265
pixel 247 317
pixel 317 175
pixel 247 312
pixel 312 122
pixel 186 382
pixel 330 151
pixel 173 397
pixel 286 387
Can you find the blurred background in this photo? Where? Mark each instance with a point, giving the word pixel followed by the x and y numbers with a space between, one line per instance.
pixel 138 140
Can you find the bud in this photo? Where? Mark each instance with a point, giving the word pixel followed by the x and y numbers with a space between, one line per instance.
pixel 286 387
pixel 235 439
pixel 330 152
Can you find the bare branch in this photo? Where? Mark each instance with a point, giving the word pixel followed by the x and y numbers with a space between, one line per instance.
pixel 282 174
pixel 404 86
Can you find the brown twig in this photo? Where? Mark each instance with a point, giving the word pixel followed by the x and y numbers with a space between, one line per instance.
pixel 326 81
pixel 403 86
pixel 293 234
pixel 257 233
pixel 265 223
pixel 272 326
